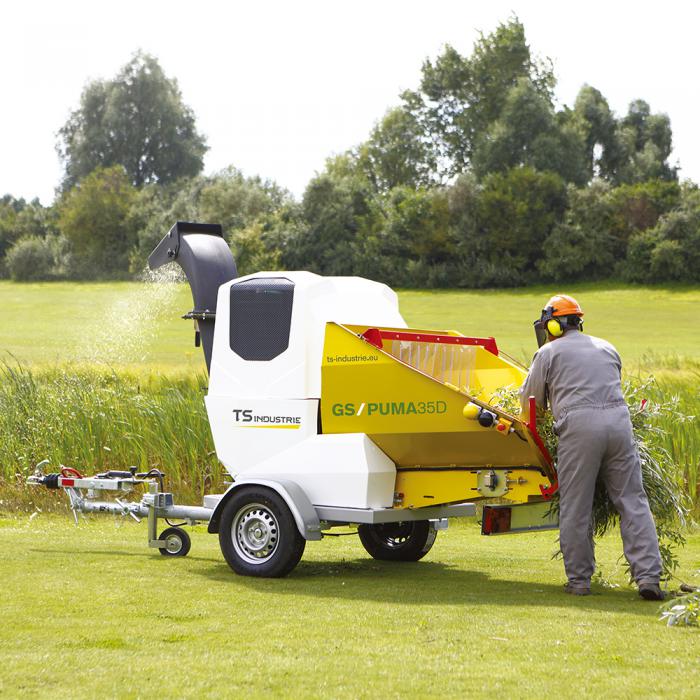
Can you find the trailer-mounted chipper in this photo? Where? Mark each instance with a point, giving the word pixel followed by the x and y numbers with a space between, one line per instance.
pixel 327 411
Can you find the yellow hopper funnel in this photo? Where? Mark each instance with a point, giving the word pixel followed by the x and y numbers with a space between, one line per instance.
pixel 423 398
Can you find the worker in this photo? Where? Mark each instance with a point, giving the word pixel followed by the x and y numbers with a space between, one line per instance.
pixel 579 377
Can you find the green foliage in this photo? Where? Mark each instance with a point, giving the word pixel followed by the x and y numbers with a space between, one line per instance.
pixel 398 153
pixel 528 132
pixel 592 240
pixel 514 214
pixel 581 245
pixel 461 97
pixel 463 184
pixel 638 207
pixel 94 218
pixel 155 208
pixel 137 121
pixel 598 124
pixel 645 143
pixel 670 250
pixel 96 419
pixel 21 219
pixel 239 203
pixel 29 259
pixel 236 201
pixel 251 252
pixel 682 610
pixel 340 212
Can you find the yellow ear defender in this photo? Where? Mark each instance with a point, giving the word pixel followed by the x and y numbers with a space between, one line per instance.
pixel 550 326
pixel 554 328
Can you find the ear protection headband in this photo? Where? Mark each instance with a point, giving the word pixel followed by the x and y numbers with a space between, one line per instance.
pixel 548 324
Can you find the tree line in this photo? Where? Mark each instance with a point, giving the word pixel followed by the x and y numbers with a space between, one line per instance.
pixel 475 179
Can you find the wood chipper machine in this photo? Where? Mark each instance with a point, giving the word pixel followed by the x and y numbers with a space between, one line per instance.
pixel 327 410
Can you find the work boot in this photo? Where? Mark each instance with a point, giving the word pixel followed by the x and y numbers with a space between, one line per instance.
pixel 576 590
pixel 651 591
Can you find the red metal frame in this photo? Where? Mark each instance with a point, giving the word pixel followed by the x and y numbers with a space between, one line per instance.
pixel 376 336
pixel 547 491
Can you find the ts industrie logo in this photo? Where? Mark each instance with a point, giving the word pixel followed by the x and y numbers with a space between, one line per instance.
pixel 247 418
pixel 389 408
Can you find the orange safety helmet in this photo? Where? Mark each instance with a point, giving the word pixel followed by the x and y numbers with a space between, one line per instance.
pixel 563 305
pixel 548 324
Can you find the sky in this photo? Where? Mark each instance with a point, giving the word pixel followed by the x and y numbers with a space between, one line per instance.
pixel 278 87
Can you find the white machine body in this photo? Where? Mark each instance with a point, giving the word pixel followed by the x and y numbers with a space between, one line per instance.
pixel 267 379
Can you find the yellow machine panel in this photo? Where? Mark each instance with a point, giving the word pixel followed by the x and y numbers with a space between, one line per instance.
pixel 407 390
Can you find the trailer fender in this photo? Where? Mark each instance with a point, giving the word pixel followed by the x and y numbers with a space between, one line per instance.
pixel 297 501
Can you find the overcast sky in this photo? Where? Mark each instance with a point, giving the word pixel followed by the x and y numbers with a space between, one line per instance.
pixel 277 87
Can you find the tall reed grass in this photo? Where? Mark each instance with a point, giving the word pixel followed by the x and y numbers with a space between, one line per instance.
pixel 94 419
pixel 681 437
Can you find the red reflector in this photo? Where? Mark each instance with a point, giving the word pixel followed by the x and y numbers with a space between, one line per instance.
pixel 374 336
pixel 495 520
pixel 67 482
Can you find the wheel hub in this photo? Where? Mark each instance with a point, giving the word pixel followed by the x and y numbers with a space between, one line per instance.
pixel 255 533
pixel 173 544
pixel 395 535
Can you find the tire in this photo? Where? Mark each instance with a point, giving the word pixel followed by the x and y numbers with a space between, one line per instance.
pixel 258 535
pixel 178 542
pixel 404 541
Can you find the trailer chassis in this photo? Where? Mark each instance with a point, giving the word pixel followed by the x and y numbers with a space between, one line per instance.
pixel 312 522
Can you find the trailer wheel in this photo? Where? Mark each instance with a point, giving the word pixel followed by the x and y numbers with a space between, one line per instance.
pixel 177 542
pixel 404 541
pixel 258 534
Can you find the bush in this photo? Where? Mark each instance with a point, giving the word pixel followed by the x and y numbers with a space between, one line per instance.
pixel 30 259
pixel 93 216
pixel 668 252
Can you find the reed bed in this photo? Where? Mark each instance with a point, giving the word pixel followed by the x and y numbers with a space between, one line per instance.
pixel 92 418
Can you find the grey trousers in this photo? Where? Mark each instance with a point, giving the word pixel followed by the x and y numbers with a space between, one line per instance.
pixel 592 441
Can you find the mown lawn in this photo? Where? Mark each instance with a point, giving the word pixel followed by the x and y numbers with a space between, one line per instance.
pixel 91 612
pixel 134 323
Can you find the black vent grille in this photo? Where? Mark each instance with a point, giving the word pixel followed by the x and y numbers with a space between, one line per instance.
pixel 261 317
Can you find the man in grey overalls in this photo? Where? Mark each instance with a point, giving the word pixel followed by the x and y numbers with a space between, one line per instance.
pixel 579 376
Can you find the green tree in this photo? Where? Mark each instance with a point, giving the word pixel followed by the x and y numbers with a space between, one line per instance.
pixel 528 132
pixel 598 125
pixel 31 258
pixel 582 246
pixel 10 208
pixel 638 207
pixel 138 121
pixel 461 97
pixel 228 198
pixel 645 144
pixel 339 213
pixel 592 240
pixel 20 219
pixel 671 250
pixel 155 208
pixel 398 153
pixel 236 202
pixel 501 226
pixel 94 217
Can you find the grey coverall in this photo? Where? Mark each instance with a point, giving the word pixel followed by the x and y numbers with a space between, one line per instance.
pixel 580 377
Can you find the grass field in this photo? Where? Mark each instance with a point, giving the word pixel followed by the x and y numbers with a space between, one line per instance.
pixel 138 324
pixel 109 378
pixel 89 612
